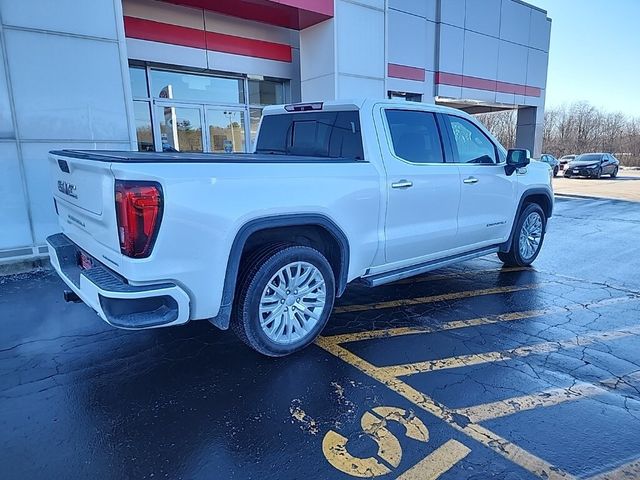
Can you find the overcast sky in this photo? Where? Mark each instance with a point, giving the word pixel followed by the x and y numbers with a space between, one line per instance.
pixel 595 53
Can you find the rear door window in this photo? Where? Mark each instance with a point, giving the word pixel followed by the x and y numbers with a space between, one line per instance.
pixel 415 136
pixel 315 134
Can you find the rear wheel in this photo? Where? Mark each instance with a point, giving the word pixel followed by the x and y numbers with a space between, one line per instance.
pixel 528 238
pixel 285 298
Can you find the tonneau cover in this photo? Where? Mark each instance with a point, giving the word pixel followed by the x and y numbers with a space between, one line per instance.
pixel 116 156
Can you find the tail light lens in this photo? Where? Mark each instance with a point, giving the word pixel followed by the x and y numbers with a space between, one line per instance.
pixel 139 212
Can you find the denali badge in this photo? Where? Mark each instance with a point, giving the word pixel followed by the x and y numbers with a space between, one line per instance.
pixel 67 188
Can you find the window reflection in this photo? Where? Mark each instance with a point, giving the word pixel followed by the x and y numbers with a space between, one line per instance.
pixel 226 131
pixel 144 131
pixel 180 129
pixel 192 87
pixel 266 92
pixel 138 82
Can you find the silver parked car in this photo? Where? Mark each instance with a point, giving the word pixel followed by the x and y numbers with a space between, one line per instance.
pixel 552 161
pixel 566 159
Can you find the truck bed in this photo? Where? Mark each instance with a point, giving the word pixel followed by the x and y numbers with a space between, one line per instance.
pixel 116 156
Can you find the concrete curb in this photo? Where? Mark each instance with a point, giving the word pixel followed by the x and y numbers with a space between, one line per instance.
pixel 24 266
pixel 590 197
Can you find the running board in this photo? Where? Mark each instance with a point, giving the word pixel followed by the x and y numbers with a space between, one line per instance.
pixel 412 271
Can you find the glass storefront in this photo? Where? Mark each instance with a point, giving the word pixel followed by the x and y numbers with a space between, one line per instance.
pixel 190 112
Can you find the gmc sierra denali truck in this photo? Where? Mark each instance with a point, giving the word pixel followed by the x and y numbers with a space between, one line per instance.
pixel 373 191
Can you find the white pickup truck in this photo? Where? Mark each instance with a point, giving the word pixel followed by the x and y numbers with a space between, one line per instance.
pixel 374 191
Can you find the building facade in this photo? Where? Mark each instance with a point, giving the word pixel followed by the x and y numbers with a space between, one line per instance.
pixel 194 75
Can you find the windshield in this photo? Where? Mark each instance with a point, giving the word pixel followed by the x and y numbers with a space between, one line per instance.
pixel 589 157
pixel 568 157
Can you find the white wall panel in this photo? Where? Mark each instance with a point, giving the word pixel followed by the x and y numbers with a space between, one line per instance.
pixel 14 220
pixel 451 49
pixel 317 50
pixel 166 53
pixel 448 91
pixel 229 62
pixel 96 18
pixel 540 31
pixel 515 22
pixel 512 63
pixel 6 122
pixel 537 68
pixel 357 87
pixel 164 12
pixel 422 8
pixel 408 40
pixel 319 88
pixel 505 98
pixel 71 88
pixel 452 12
pixel 480 95
pixel 483 16
pixel 480 55
pixel 360 43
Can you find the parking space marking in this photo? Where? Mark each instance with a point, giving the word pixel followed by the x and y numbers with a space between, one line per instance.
pixel 489 357
pixel 486 320
pixel 628 471
pixel 486 437
pixel 438 462
pixel 546 398
pixel 405 302
pixel 463 274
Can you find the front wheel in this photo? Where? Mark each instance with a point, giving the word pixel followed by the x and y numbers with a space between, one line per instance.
pixel 614 174
pixel 285 297
pixel 555 171
pixel 528 238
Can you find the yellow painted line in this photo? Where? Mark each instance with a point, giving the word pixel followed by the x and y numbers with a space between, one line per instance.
pixel 628 471
pixel 473 322
pixel 488 357
pixel 547 398
pixel 490 439
pixel 460 274
pixel 437 462
pixel 435 298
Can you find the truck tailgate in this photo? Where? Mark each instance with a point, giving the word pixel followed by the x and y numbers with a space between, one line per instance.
pixel 84 194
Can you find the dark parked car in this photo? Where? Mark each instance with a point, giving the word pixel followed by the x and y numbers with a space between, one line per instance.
pixel 593 165
pixel 552 161
pixel 566 159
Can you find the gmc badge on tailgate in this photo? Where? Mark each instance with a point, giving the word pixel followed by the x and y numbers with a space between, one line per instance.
pixel 67 188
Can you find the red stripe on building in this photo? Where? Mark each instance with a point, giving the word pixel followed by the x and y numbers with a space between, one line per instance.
pixel 406 73
pixel 456 80
pixel 192 37
pixel 163 32
pixel 220 42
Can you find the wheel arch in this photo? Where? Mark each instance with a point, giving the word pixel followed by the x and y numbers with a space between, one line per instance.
pixel 314 227
pixel 540 196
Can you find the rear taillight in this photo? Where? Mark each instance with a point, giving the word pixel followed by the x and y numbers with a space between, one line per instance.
pixel 139 212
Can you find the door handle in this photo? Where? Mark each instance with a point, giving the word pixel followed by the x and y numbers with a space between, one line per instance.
pixel 402 184
pixel 470 180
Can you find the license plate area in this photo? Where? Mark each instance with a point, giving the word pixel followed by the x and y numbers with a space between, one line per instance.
pixel 85 261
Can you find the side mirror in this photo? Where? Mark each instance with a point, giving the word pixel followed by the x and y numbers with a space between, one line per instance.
pixel 517 158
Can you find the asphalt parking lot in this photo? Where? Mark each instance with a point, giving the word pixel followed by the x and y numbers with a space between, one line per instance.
pixel 626 186
pixel 471 372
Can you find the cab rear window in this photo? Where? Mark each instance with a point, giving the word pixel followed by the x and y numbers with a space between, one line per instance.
pixel 314 134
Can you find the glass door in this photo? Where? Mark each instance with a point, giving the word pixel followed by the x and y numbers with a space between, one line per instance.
pixel 226 130
pixel 179 128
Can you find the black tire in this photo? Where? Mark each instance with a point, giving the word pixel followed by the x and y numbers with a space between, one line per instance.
pixel 598 174
pixel 555 171
pixel 513 258
pixel 567 175
pixel 258 271
pixel 614 174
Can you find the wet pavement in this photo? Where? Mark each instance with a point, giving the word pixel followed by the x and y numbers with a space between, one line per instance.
pixel 471 372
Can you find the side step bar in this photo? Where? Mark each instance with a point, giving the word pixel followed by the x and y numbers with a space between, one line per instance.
pixel 412 271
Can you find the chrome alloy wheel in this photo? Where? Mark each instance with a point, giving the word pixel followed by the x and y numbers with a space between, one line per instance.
pixel 530 236
pixel 292 303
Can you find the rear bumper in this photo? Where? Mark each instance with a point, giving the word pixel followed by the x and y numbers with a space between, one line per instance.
pixel 112 297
